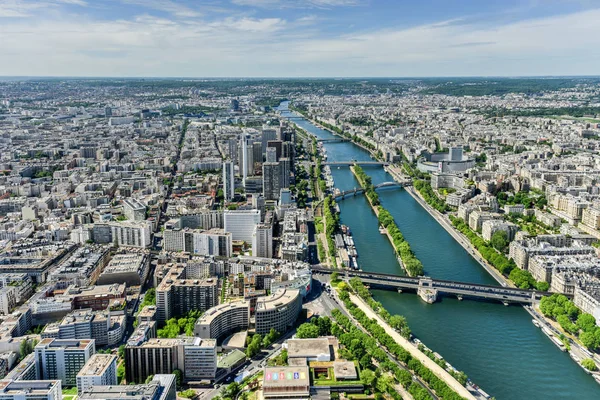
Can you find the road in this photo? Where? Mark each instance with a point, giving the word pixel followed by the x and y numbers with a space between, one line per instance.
pixel 331 302
pixel 444 221
pixel 414 351
pixel 252 366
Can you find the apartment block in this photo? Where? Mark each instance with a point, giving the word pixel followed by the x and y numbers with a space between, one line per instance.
pixel 100 370
pixel 62 359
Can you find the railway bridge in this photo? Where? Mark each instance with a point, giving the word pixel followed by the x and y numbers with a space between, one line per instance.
pixel 429 289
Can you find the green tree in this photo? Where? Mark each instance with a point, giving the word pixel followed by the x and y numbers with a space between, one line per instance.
pixel 500 240
pixel 368 378
pixel 26 347
pixel 307 330
pixel 586 322
pixel 589 339
pixel 188 394
pixel 589 364
pixel 335 276
pixel 178 376
pixel 120 372
pixel 324 325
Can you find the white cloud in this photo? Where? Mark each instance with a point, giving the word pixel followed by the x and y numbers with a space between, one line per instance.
pixel 171 7
pixel 169 46
pixel 27 8
pixel 297 3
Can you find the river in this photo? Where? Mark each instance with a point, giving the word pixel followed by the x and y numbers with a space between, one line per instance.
pixel 496 346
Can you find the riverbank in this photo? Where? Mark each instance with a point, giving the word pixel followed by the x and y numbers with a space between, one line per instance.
pixel 413 350
pixel 459 237
pixel 576 348
pixel 321 126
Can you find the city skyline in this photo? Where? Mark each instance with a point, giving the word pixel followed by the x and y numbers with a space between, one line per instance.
pixel 314 38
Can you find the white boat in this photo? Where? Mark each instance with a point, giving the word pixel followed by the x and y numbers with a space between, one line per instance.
pixel 536 323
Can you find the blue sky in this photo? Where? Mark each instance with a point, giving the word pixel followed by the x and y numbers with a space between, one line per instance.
pixel 288 38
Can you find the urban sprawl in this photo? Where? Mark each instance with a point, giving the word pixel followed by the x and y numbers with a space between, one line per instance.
pixel 164 239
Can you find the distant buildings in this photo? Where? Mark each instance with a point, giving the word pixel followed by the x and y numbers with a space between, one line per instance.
pixel 106 328
pixel 134 210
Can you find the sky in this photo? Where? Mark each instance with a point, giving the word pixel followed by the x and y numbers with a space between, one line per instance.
pixel 299 38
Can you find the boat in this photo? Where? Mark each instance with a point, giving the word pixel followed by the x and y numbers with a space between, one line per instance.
pixel 382 230
pixel 554 339
pixel 536 323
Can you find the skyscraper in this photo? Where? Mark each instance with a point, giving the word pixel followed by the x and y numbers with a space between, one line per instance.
pixel 271 154
pixel 272 180
pixel 228 180
pixel 257 157
pixel 246 162
pixel 267 134
pixel 262 241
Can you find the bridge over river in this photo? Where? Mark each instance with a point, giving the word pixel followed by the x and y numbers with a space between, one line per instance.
pixel 428 289
pixel 354 162
pixel 340 195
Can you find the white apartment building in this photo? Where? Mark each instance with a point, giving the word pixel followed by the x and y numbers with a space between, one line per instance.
pixel 214 242
pixel 8 299
pixel 62 358
pixel 100 370
pixel 30 390
pixel 133 234
pixel 241 223
pixel 134 210
pixel 262 241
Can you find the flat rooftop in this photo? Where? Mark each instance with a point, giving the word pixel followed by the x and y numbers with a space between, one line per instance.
pixel 97 364
pixel 281 377
pixel 73 344
pixel 278 299
pixel 30 388
pixel 344 370
pixel 214 312
pixel 307 348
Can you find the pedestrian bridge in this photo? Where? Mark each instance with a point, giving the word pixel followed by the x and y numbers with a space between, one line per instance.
pixel 334 140
pixel 429 289
pixel 353 162
pixel 355 191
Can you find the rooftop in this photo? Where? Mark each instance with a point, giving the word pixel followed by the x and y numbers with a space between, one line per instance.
pixel 279 377
pixel 97 364
pixel 212 313
pixel 307 348
pixel 278 299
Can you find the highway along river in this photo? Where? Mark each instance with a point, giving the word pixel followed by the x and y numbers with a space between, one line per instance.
pixel 496 346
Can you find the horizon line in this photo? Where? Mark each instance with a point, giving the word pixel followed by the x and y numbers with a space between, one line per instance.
pixel 297 77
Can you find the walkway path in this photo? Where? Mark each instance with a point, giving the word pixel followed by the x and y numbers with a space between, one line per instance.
pixel 414 351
